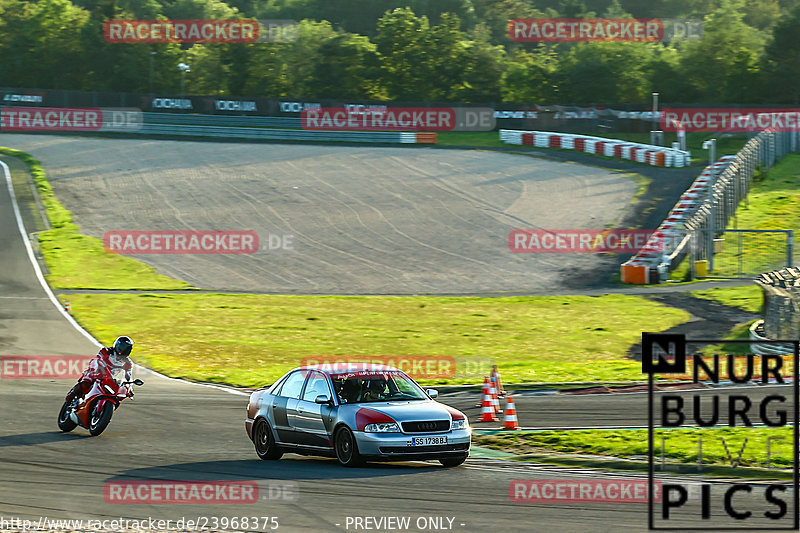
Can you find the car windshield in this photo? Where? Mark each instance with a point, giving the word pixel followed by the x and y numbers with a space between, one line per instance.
pixel 363 387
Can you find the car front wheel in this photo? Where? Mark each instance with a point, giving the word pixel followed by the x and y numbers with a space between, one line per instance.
pixel 347 448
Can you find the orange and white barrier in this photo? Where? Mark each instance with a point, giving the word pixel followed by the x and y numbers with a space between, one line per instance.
pixel 642 153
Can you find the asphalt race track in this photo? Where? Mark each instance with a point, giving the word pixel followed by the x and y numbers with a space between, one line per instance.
pixel 362 220
pixel 185 432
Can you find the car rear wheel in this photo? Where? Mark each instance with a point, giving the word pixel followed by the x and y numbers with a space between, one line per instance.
pixel 347 448
pixel 450 462
pixel 265 442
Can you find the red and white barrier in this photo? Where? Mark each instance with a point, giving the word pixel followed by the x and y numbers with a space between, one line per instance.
pixel 642 153
pixel 650 259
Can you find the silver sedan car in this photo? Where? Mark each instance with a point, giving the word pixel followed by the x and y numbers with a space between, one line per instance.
pixel 356 413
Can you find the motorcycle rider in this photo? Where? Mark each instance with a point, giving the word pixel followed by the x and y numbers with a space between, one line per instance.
pixel 108 359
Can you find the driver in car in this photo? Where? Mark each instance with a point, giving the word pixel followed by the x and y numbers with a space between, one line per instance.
pixel 374 391
pixel 109 359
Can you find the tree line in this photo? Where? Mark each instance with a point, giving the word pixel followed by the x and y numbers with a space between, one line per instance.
pixel 417 50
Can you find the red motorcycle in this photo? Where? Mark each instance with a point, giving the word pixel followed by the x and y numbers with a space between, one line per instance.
pixel 95 409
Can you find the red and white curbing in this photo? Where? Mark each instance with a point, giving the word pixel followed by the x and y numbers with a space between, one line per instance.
pixel 659 156
pixel 653 256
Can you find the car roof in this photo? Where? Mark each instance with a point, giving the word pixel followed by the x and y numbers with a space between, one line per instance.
pixel 346 368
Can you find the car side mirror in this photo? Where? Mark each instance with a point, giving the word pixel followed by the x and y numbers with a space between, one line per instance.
pixel 138 382
pixel 322 399
pixel 433 393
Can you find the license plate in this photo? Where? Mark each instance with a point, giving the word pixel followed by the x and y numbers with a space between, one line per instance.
pixel 428 441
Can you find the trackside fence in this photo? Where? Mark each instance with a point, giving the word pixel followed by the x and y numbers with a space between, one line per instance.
pixel 707 207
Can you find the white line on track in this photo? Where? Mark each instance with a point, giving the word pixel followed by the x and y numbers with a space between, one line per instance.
pixel 57 304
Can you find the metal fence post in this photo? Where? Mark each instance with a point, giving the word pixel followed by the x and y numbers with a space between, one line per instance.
pixel 790 249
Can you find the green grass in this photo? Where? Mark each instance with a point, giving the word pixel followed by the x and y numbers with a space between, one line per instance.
pixel 249 340
pixel 773 203
pixel 470 138
pixel 680 445
pixel 78 261
pixel 747 298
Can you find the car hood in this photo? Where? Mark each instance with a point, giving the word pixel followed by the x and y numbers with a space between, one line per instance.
pixel 410 411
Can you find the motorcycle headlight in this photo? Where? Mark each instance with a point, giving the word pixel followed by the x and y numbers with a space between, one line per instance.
pixel 382 427
pixel 460 424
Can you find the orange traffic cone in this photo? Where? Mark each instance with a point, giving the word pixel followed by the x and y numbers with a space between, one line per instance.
pixel 67 307
pixel 487 410
pixel 510 420
pixel 495 399
pixel 485 390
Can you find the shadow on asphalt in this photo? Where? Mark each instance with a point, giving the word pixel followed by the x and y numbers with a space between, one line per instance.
pixel 288 468
pixel 45 437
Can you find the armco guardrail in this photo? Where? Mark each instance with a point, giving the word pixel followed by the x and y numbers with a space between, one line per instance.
pixel 221 120
pixel 641 153
pixel 255 128
pixel 707 195
pixel 283 134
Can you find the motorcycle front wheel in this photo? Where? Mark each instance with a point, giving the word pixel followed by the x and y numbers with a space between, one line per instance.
pixel 100 419
pixel 65 423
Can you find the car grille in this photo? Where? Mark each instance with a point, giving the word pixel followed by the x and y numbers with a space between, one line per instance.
pixel 427 426
pixel 422 449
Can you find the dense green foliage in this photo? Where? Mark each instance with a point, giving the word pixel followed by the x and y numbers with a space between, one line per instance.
pixel 426 50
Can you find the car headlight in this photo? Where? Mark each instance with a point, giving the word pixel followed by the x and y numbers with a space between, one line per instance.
pixel 382 427
pixel 460 424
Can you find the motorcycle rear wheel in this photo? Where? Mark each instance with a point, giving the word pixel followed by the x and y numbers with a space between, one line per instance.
pixel 99 421
pixel 65 423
